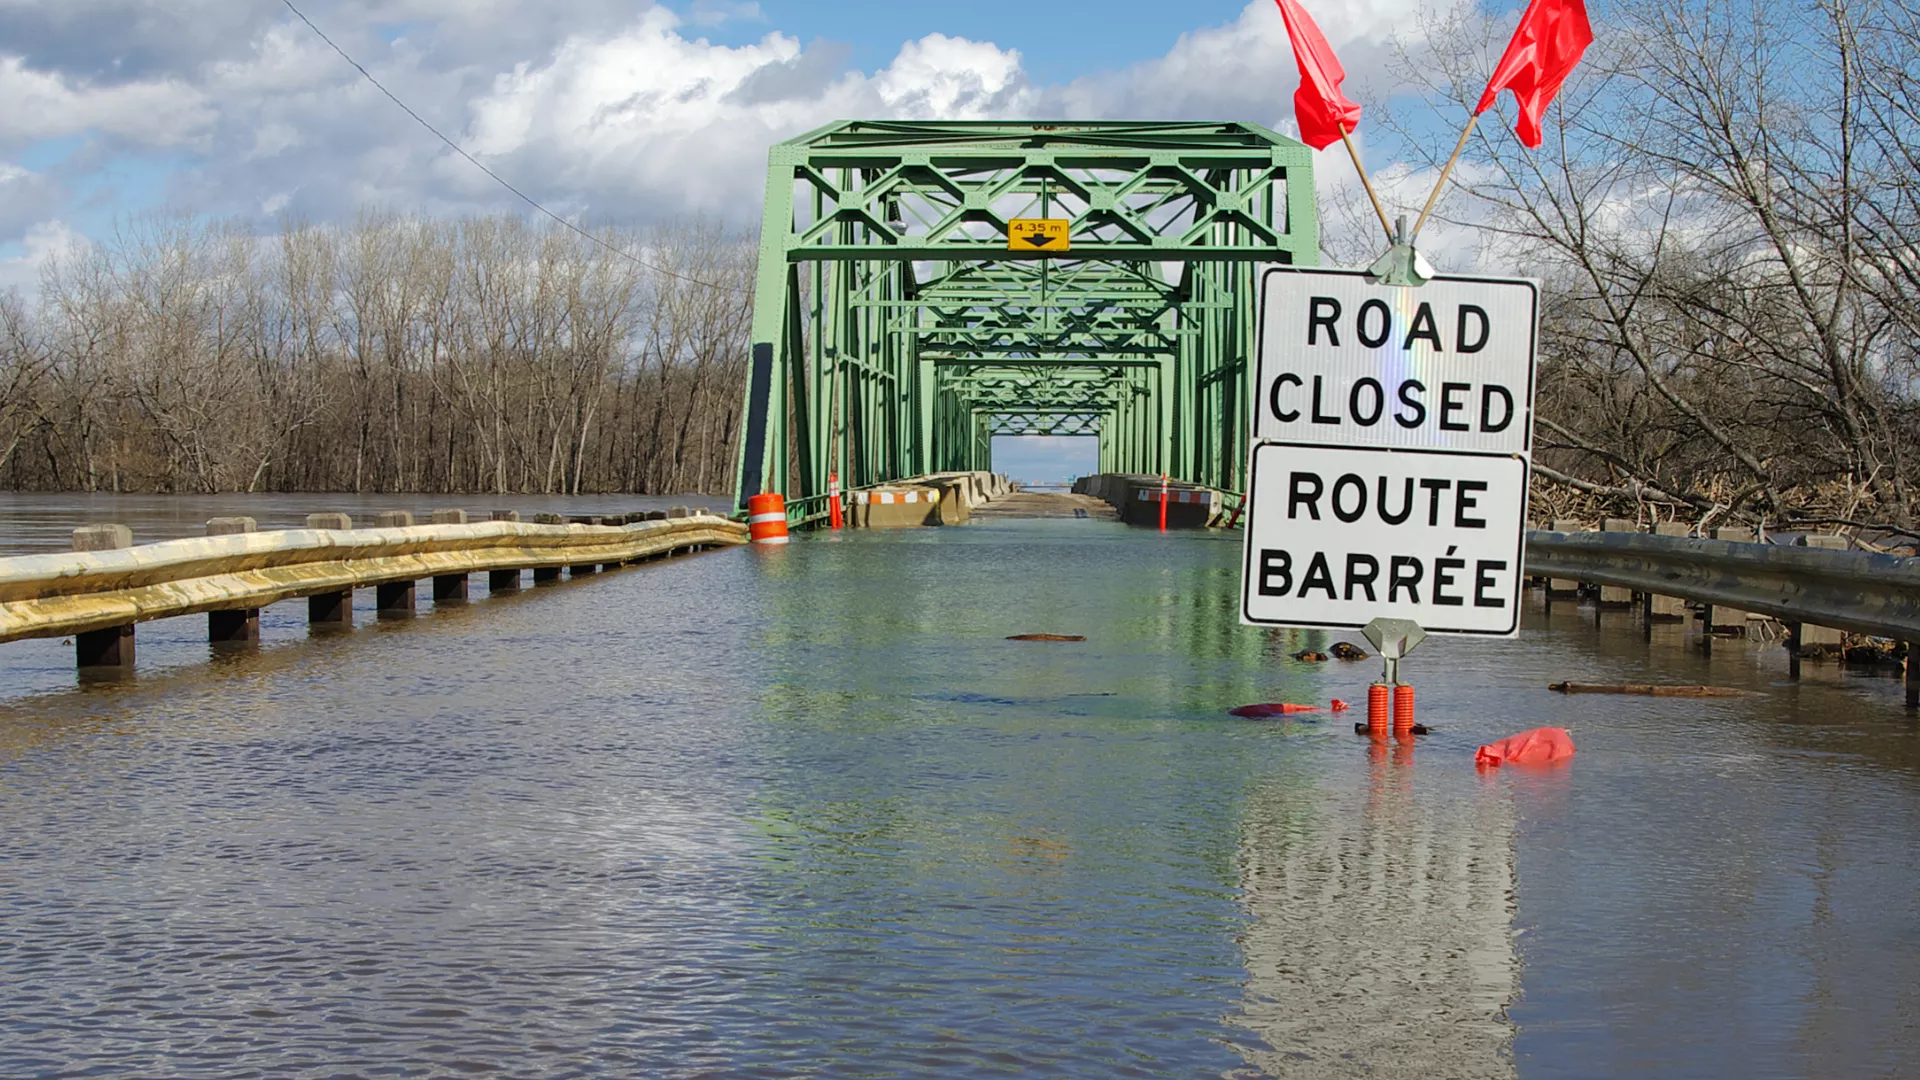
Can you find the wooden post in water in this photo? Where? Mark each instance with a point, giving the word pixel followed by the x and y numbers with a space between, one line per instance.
pixel 450 587
pixel 1729 620
pixel 111 647
pixel 1562 587
pixel 1614 597
pixel 1913 677
pixel 499 581
pixel 1819 641
pixel 334 610
pixel 394 599
pixel 1666 608
pixel 236 626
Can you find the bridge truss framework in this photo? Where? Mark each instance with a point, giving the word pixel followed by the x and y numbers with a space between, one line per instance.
pixel 894 333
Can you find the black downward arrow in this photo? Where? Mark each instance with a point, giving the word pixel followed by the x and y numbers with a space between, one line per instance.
pixel 1039 239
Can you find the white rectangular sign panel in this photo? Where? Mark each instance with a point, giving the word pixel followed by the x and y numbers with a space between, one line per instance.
pixel 1338 536
pixel 1345 361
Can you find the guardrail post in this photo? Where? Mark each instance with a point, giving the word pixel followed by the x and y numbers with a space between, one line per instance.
pixel 236 626
pixel 449 587
pixel 1728 620
pixel 1818 641
pixel 395 600
pixel 1666 608
pixel 500 581
pixel 334 610
pixel 111 647
pixel 1913 679
pixel 1613 596
pixel 1562 586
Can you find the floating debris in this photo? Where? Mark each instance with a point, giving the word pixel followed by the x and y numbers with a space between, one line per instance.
pixel 1645 690
pixel 1264 712
pixel 1540 746
pixel 1344 651
pixel 1045 637
pixel 1311 657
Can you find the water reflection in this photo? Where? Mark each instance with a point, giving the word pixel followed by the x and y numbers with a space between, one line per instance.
pixel 1381 905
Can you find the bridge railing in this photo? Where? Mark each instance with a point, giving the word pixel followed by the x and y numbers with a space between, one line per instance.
pixel 1859 591
pixel 70 593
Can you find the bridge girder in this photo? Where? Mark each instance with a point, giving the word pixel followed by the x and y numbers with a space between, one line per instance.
pixel 894 333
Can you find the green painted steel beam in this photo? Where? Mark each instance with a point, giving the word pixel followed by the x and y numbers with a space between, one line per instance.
pixel 895 333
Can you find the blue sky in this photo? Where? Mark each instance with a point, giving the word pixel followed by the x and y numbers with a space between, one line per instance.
pixel 608 110
pixel 1059 41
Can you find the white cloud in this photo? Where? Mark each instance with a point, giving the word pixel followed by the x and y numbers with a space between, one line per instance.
pixel 589 105
pixel 42 105
pixel 42 242
pixel 650 112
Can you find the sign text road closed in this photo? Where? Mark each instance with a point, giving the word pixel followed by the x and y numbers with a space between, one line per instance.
pixel 1339 536
pixel 1344 361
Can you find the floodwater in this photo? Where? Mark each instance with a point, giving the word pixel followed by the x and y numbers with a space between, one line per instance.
pixel 805 812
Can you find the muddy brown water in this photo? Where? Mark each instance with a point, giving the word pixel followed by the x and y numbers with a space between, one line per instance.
pixel 807 812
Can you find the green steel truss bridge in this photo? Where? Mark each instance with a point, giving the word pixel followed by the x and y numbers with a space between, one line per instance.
pixel 895 331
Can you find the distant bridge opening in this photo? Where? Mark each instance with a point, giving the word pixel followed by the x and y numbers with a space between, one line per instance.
pixel 897 331
pixel 1046 459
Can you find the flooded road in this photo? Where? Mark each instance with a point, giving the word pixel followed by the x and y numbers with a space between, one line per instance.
pixel 805 812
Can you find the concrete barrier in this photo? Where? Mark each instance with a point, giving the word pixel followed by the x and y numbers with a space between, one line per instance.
pixel 896 506
pixel 1136 496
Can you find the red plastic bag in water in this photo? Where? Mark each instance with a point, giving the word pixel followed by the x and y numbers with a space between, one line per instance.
pixel 1541 746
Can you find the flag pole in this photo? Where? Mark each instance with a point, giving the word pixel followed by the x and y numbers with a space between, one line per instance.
pixel 1347 137
pixel 1442 182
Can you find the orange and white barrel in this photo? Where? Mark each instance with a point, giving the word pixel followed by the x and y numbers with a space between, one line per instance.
pixel 767 518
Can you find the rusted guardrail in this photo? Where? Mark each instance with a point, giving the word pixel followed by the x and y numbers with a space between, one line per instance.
pixel 98 595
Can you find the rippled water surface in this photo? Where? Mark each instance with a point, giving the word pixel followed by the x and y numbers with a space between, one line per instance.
pixel 807 813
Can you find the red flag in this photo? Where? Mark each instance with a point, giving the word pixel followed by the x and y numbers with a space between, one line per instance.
pixel 1323 111
pixel 1546 45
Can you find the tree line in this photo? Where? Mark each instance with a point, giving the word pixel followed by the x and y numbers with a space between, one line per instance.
pixel 399 353
pixel 1725 216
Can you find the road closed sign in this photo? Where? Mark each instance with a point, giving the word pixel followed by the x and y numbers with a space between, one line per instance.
pixel 1346 361
pixel 1338 536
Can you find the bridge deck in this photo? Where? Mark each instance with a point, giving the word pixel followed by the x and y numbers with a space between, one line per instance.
pixel 1046 504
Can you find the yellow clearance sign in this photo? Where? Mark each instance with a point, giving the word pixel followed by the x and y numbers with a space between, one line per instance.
pixel 1037 234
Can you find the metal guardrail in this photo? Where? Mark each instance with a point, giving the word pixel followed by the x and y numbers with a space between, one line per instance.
pixel 1859 591
pixel 56 595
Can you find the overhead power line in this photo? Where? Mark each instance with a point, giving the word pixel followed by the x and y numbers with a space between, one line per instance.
pixel 475 162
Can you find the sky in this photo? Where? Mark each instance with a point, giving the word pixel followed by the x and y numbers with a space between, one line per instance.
pixel 606 111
